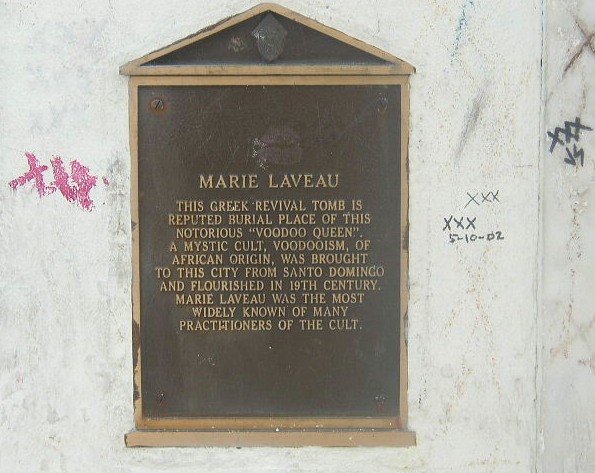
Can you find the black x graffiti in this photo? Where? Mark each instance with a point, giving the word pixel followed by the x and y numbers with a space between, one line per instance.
pixel 459 223
pixel 568 137
pixel 488 197
pixel 494 197
pixel 570 132
pixel 471 199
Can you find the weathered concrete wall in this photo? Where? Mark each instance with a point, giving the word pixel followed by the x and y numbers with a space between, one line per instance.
pixel 65 338
pixel 568 341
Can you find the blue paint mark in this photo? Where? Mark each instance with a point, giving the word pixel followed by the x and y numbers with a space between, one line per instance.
pixel 463 23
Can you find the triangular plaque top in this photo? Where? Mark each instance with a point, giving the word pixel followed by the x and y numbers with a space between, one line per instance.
pixel 268 39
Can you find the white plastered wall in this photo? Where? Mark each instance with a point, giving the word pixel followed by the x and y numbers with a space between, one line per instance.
pixel 567 384
pixel 474 331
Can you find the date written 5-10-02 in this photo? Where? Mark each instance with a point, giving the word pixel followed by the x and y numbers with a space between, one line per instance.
pixel 473 237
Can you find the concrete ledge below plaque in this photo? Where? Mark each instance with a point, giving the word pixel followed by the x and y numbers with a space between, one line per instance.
pixel 252 438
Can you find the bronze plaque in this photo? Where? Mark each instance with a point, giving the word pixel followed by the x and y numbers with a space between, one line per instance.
pixel 269 241
pixel 270 208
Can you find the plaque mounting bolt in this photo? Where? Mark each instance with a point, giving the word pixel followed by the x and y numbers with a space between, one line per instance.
pixel 157 104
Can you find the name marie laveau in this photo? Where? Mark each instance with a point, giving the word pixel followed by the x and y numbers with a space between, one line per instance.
pixel 273 181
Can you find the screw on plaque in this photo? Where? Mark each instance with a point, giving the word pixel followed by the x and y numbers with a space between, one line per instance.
pixel 157 104
pixel 160 397
pixel 270 38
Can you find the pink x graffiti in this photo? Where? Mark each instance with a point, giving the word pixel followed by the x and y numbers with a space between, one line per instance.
pixel 34 174
pixel 75 187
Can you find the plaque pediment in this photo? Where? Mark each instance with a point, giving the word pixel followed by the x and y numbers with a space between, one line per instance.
pixel 268 39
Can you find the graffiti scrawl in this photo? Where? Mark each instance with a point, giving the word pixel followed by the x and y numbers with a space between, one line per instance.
pixel 74 186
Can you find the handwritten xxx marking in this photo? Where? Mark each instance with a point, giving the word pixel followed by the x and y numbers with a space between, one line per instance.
pixel 459 223
pixel 488 197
